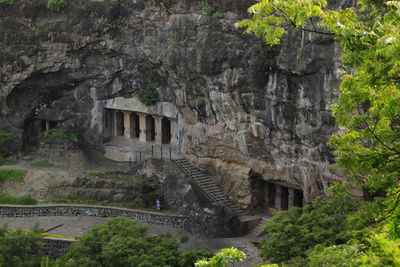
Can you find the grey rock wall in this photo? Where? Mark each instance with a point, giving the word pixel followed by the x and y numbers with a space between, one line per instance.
pixel 242 106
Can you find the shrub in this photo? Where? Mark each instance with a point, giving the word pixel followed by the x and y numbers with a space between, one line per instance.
pixel 149 97
pixel 4 161
pixel 20 248
pixel 222 258
pixel 293 232
pixel 7 199
pixel 184 239
pixel 207 8
pixel 342 255
pixel 218 15
pixel 57 5
pixel 12 175
pixel 4 135
pixel 124 242
pixel 189 257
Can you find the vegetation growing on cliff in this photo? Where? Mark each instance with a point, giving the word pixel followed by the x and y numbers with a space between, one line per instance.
pixel 148 97
pixel 367 144
pixel 57 5
pixel 60 134
pixel 12 175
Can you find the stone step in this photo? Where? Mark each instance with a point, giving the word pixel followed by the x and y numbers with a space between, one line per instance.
pixel 213 190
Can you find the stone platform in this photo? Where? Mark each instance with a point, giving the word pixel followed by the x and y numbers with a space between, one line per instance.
pixel 121 149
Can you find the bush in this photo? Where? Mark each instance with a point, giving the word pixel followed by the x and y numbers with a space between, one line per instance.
pixel 184 239
pixel 124 242
pixel 57 5
pixel 4 161
pixel 19 248
pixel 341 256
pixel 12 175
pixel 4 135
pixel 294 232
pixel 207 8
pixel 149 97
pixel 7 199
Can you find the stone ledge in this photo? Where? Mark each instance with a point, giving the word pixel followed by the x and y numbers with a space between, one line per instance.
pixel 172 220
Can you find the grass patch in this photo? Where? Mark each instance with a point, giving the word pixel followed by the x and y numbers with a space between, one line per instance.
pixel 4 161
pixel 60 135
pixel 12 175
pixel 7 199
pixel 5 136
pixel 42 164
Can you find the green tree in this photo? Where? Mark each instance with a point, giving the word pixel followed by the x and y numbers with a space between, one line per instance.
pixel 367 112
pixel 124 242
pixel 292 233
pixel 19 248
pixel 222 257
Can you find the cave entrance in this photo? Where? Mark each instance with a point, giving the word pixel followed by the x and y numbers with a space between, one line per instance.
pixel 150 128
pixel 134 117
pixel 120 123
pixel 267 195
pixel 298 198
pixel 284 198
pixel 47 125
pixel 165 131
pixel 270 193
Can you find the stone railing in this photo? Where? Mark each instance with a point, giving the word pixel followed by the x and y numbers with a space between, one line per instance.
pixel 172 220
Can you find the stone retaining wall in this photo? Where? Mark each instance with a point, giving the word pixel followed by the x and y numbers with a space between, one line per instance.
pixel 55 247
pixel 176 221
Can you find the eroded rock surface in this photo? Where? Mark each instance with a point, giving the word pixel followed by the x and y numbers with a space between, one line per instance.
pixel 241 106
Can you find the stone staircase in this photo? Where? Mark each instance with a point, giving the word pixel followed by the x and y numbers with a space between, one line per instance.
pixel 259 228
pixel 208 185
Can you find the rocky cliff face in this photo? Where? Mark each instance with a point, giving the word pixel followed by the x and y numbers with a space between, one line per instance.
pixel 243 108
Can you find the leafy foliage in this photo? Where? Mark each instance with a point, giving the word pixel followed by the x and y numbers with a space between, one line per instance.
pixel 5 136
pixel 123 242
pixel 12 175
pixel 293 232
pixel 341 256
pixel 149 97
pixel 57 5
pixel 222 257
pixel 383 251
pixel 19 248
pixel 367 112
pixel 367 143
pixel 207 8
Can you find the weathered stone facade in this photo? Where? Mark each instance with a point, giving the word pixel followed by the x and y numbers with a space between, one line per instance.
pixel 240 106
